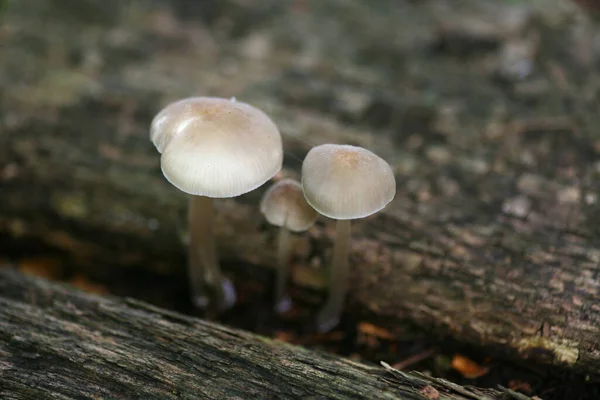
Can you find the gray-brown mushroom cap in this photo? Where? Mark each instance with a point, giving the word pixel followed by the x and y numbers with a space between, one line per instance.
pixel 346 182
pixel 283 204
pixel 216 147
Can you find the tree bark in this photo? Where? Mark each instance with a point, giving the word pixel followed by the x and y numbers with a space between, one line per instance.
pixel 492 239
pixel 59 343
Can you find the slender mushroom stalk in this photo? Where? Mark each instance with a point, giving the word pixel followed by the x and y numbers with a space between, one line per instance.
pixel 203 261
pixel 213 148
pixel 329 316
pixel 344 183
pixel 283 205
pixel 282 300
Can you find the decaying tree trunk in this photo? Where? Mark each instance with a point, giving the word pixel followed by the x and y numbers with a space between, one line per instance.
pixel 493 237
pixel 58 343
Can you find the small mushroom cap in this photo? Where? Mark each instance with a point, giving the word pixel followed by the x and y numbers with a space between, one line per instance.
pixel 216 147
pixel 283 204
pixel 346 182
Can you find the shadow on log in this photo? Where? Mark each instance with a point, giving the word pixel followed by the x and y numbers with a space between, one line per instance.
pixel 492 239
pixel 60 343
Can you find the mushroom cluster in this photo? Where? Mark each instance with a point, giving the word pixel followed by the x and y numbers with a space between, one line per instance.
pixel 219 148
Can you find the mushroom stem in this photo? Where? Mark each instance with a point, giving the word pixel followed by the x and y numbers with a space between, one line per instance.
pixel 203 262
pixel 282 301
pixel 329 316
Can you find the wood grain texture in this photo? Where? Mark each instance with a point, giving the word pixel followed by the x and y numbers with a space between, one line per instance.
pixel 492 239
pixel 58 343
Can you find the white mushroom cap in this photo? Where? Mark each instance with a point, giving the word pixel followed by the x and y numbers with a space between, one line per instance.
pixel 346 182
pixel 284 205
pixel 216 147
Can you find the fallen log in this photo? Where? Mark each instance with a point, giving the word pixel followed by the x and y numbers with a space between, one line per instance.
pixel 57 342
pixel 478 246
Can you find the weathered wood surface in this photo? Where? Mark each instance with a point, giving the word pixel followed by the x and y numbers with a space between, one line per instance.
pixel 493 238
pixel 59 343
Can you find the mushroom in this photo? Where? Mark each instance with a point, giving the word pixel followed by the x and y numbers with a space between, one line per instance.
pixel 213 148
pixel 284 205
pixel 344 182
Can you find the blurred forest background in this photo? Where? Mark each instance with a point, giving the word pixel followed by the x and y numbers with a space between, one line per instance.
pixel 484 270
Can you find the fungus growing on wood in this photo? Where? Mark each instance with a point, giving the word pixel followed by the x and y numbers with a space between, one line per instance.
pixel 344 182
pixel 284 205
pixel 213 148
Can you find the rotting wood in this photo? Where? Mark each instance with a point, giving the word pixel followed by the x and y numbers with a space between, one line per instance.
pixel 492 239
pixel 59 343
